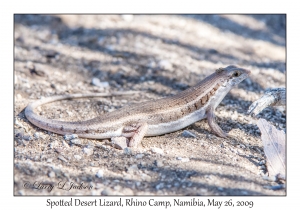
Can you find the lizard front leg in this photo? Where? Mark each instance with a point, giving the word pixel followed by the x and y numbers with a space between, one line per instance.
pixel 136 132
pixel 210 113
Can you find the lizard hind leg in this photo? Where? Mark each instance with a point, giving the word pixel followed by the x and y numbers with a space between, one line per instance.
pixel 213 125
pixel 136 132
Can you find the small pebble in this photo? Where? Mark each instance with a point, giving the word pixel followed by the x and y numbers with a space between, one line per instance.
pixel 58 150
pixel 36 135
pixel 203 190
pixel 53 144
pixel 90 145
pixel 183 159
pixel 19 97
pixel 53 86
pixel 103 146
pixel 19 133
pixel 124 101
pixel 100 174
pixel 127 151
pixel 244 192
pixel 139 156
pixel 70 137
pixel 17 122
pixel 132 169
pixel 107 191
pixel 76 141
pixel 127 177
pixel 110 47
pixel 263 162
pixel 62 158
pixel 262 167
pixel 27 85
pixel 88 151
pixel 51 54
pixel 98 186
pixel 157 150
pixel 51 174
pixel 119 142
pixel 270 178
pixel 65 144
pixel 117 187
pixel 261 172
pixel 127 191
pixel 21 192
pixel 242 146
pixel 188 134
pixel 30 65
pixel 159 186
pixel 165 64
pixel 176 184
pixel 146 177
pixel 98 83
pixel 27 137
pixel 77 157
pixel 98 145
pixel 159 163
pixel 127 18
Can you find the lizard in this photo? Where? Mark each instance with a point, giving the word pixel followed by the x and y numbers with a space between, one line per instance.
pixel 150 118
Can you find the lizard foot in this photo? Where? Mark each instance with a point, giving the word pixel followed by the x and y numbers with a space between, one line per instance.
pixel 136 132
pixel 213 125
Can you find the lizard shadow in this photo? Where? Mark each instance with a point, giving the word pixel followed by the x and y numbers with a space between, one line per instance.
pixel 198 53
pixel 232 140
pixel 168 180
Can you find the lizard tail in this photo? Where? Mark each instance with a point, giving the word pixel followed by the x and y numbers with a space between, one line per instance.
pixel 55 125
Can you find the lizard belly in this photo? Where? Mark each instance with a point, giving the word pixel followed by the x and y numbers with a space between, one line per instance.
pixel 183 122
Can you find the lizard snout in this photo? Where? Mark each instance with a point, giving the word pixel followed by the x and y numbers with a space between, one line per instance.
pixel 247 71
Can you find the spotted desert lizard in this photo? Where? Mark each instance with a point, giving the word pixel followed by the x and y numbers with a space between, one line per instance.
pixel 150 118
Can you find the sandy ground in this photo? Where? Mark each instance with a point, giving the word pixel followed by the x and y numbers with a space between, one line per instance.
pixel 159 56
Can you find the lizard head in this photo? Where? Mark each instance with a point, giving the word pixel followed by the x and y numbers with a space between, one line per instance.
pixel 232 75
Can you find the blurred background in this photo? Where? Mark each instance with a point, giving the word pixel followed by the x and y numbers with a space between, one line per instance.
pixel 172 50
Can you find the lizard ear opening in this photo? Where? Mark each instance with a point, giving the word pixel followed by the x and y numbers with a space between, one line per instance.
pixel 219 70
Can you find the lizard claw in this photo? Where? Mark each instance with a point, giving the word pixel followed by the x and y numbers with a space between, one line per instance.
pixel 223 135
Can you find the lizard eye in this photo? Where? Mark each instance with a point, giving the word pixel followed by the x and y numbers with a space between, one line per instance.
pixel 236 74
